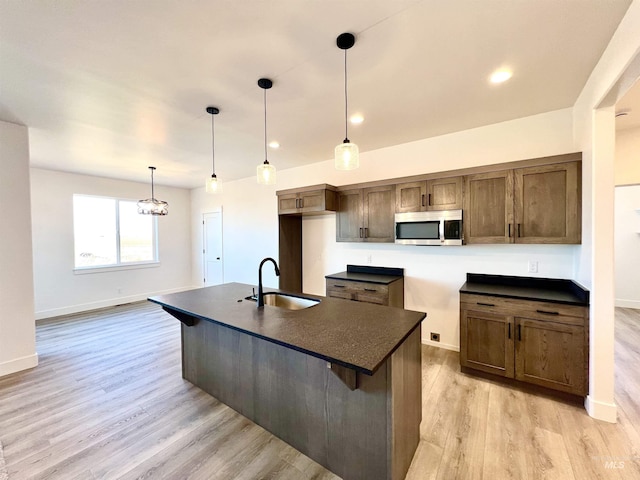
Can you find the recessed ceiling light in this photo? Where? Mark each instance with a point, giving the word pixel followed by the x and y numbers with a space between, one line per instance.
pixel 357 118
pixel 500 76
pixel 622 113
pixel 274 144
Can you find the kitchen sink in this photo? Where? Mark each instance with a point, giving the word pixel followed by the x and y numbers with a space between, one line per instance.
pixel 290 302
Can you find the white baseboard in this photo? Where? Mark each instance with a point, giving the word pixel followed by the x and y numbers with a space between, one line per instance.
pixel 18 364
pixel 607 412
pixel 446 346
pixel 109 302
pixel 627 303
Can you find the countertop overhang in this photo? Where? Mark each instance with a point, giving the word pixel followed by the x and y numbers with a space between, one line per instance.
pixel 355 335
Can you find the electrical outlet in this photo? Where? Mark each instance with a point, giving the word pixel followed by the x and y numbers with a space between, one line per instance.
pixel 533 266
pixel 119 290
pixel 435 337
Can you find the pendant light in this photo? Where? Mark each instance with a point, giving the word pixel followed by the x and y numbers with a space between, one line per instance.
pixel 346 153
pixel 151 206
pixel 213 185
pixel 266 172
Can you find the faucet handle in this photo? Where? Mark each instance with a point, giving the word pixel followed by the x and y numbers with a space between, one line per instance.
pixel 253 292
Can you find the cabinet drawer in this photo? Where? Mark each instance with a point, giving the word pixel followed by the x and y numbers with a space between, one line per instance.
pixel 553 312
pixel 358 287
pixel 369 297
pixel 339 293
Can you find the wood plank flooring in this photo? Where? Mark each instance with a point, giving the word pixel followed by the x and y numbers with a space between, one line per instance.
pixel 108 402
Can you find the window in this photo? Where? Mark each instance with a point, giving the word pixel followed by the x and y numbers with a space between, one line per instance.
pixel 109 232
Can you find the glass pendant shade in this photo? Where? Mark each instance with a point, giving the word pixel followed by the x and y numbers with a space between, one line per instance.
pixel 152 206
pixel 347 156
pixel 213 185
pixel 266 174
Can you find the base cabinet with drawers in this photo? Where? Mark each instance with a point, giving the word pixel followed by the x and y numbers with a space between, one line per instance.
pixel 537 342
pixel 360 284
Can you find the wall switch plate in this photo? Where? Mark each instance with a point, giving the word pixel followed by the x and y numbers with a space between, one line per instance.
pixel 435 337
pixel 533 266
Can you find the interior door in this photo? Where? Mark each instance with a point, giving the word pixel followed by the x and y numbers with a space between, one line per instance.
pixel 212 251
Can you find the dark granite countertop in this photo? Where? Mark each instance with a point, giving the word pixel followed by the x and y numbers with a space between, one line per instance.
pixel 554 290
pixel 368 274
pixel 356 335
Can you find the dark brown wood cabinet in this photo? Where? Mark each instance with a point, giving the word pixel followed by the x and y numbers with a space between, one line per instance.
pixel 537 342
pixel 488 207
pixel 391 294
pixel 538 204
pixel 435 194
pixel 366 215
pixel 547 204
pixel 307 201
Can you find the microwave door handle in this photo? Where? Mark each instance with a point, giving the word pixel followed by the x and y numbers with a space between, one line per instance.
pixel 441 226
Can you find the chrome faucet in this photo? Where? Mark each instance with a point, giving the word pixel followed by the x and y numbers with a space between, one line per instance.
pixel 260 292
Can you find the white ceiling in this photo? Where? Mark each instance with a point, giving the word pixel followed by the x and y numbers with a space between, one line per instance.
pixel 108 88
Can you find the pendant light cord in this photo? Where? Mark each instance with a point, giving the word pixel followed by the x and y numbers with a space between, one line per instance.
pixel 346 136
pixel 213 148
pixel 265 125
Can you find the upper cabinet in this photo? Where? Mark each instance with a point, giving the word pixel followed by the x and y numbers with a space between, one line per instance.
pixel 435 194
pixel 547 204
pixel 366 215
pixel 308 201
pixel 538 204
pixel 488 207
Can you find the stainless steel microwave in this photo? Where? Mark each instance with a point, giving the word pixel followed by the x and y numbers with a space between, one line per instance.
pixel 429 228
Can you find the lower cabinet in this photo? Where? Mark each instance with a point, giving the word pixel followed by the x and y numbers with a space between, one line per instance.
pixel 541 343
pixel 391 295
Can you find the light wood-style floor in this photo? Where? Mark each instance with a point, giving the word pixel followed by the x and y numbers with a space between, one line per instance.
pixel 108 402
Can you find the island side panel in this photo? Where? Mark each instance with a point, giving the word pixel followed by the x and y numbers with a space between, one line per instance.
pixel 405 402
pixel 296 397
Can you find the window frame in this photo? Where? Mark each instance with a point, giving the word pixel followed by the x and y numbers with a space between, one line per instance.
pixel 119 265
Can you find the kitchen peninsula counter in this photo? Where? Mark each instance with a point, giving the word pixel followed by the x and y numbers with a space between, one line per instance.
pixel 339 381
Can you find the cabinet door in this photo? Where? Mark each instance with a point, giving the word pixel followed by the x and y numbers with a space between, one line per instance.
pixel 349 227
pixel 378 213
pixel 411 197
pixel 287 204
pixel 486 342
pixel 551 355
pixel 444 193
pixel 488 207
pixel 547 204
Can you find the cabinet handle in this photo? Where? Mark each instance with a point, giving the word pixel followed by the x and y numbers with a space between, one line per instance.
pixel 370 290
pixel 302 203
pixel 518 230
pixel 548 312
pixel 509 230
pixel 366 232
pixel 338 286
pixel 509 331
pixel 429 202
pixel 360 232
pixel 519 332
pixel 485 304
pixel 423 200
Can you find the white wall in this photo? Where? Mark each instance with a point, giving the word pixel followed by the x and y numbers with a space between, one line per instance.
pixel 595 135
pixel 434 274
pixel 627 160
pixel 627 245
pixel 17 325
pixel 627 218
pixel 58 290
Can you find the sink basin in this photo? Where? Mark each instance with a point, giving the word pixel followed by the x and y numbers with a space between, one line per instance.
pixel 289 302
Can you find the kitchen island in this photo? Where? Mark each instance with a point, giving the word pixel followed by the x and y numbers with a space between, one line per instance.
pixel 340 381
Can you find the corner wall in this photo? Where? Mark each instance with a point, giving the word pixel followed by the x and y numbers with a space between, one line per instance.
pixel 17 325
pixel 60 291
pixel 595 133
